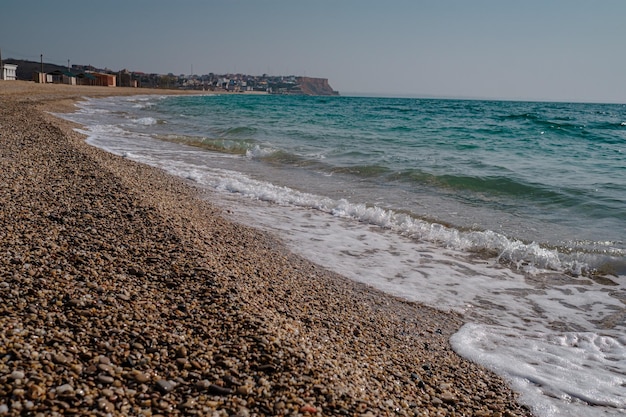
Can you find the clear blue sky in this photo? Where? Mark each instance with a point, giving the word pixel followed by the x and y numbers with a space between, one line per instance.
pixel 565 50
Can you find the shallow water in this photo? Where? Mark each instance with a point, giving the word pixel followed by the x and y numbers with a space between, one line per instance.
pixel 500 210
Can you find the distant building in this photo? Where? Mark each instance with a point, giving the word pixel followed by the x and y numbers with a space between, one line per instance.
pixel 9 72
pixel 63 77
pixel 106 80
pixel 42 77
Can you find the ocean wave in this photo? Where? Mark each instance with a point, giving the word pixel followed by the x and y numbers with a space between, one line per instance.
pixel 239 131
pixel 366 171
pixel 222 145
pixel 258 151
pixel 529 257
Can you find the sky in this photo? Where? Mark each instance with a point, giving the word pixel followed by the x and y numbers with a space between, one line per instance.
pixel 556 50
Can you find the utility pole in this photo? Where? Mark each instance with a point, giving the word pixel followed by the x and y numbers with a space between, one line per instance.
pixel 1 67
pixel 41 58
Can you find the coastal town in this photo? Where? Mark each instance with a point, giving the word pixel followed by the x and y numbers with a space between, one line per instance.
pixel 41 72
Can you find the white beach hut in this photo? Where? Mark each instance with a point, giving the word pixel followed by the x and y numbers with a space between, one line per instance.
pixel 9 72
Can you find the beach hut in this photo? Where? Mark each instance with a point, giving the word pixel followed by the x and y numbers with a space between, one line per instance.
pixel 107 80
pixel 86 79
pixel 43 77
pixel 63 77
pixel 9 72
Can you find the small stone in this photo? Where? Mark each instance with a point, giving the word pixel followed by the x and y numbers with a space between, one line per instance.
pixel 448 397
pixel 217 390
pixel 63 405
pixel 104 360
pixel 230 380
pixel 203 385
pixel 181 352
pixel 35 392
pixel 65 389
pixel 308 409
pixel 165 386
pixel 123 297
pixel 74 302
pixel 77 368
pixel 279 406
pixel 17 375
pixel 138 272
pixel 106 405
pixel 105 379
pixel 243 390
pixel 60 359
pixel 16 406
pixel 104 367
pixel 190 403
pixel 243 412
pixel 141 377
pixel 267 368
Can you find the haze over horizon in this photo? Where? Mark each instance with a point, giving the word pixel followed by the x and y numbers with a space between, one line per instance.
pixel 562 50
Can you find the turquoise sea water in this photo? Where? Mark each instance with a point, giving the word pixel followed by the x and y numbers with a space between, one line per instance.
pixel 513 213
pixel 549 173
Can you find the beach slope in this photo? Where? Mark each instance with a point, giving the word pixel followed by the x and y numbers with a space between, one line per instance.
pixel 122 292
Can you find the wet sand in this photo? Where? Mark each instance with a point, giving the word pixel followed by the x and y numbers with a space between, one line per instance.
pixel 122 292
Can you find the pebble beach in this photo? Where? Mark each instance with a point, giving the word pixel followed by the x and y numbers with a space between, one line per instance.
pixel 123 291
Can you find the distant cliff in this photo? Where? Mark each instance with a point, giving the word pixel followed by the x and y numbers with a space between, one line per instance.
pixel 315 86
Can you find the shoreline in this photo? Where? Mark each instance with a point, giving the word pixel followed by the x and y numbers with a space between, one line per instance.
pixel 126 293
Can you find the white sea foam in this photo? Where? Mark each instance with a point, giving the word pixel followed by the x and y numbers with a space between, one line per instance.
pixel 145 121
pixel 559 374
pixel 141 102
pixel 259 151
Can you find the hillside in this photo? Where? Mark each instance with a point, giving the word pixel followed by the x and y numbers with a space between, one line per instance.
pixel 316 86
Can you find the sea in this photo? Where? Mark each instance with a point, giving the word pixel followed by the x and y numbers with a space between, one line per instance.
pixel 510 213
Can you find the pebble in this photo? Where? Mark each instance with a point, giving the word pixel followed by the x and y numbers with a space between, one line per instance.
pixel 36 392
pixel 17 375
pixel 65 389
pixel 448 397
pixel 243 390
pixel 218 390
pixel 165 386
pixel 106 405
pixel 60 359
pixel 181 352
pixel 105 379
pixel 141 377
